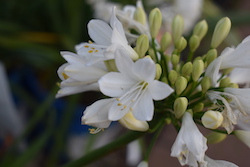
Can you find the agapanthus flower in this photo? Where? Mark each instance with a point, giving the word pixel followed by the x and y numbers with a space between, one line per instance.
pixel 77 77
pixel 190 145
pixel 134 88
pixel 238 57
pixel 217 163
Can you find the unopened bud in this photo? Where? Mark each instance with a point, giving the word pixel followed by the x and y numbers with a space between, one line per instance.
pixel 151 53
pixel 164 79
pixel 194 43
pixel 180 85
pixel 227 71
pixel 215 137
pixel 225 82
pixel 198 67
pixel 221 31
pixel 175 59
pixel 233 85
pixel 187 69
pixel 180 106
pixel 142 44
pixel 177 28
pixel 131 123
pixel 165 41
pixel 205 83
pixel 172 76
pixel 200 29
pixel 155 20
pixel 211 55
pixel 158 71
pixel 212 119
pixel 110 64
pixel 181 44
pixel 168 121
pixel 140 14
pixel 198 107
pixel 244 136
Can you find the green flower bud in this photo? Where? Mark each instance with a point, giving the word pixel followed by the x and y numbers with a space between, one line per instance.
pixel 187 69
pixel 164 79
pixel 168 121
pixel 198 107
pixel 165 41
pixel 180 106
pixel 155 20
pixel 158 71
pixel 205 83
pixel 200 29
pixel 177 28
pixel 140 15
pixel 190 111
pixel 227 71
pixel 211 55
pixel 215 137
pixel 194 43
pixel 198 67
pixel 110 64
pixel 212 119
pixel 225 82
pixel 172 76
pixel 221 31
pixel 142 44
pixel 181 44
pixel 180 84
pixel 175 59
pixel 151 53
pixel 233 85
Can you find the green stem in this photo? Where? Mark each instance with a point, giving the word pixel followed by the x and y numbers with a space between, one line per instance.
pixel 190 56
pixel 153 45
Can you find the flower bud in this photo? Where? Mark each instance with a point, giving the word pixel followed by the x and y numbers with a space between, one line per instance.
pixel 155 20
pixel 180 85
pixel 181 44
pixel 158 71
pixel 227 71
pixel 151 53
pixel 175 59
pixel 233 85
pixel 215 137
pixel 211 55
pixel 244 136
pixel 198 107
pixel 194 43
pixel 131 123
pixel 165 41
pixel 187 69
pixel 225 82
pixel 140 15
pixel 110 64
pixel 172 76
pixel 212 119
pixel 177 28
pixel 200 29
pixel 205 83
pixel 180 106
pixel 142 44
pixel 168 121
pixel 198 67
pixel 221 31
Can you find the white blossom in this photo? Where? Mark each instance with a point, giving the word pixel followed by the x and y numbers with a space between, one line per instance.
pixel 217 163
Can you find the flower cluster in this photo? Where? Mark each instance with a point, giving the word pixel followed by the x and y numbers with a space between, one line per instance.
pixel 131 61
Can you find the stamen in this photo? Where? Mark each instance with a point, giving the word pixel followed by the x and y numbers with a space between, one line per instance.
pixel 65 76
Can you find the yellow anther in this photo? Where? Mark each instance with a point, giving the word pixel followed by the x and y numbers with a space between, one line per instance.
pixel 93 48
pixel 96 50
pixel 65 76
pixel 90 42
pixel 86 46
pixel 90 51
pixel 119 104
pixel 130 109
pixel 124 106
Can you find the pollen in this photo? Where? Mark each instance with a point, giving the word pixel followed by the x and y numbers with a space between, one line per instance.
pixel 90 51
pixel 119 104
pixel 86 46
pixel 65 76
pixel 96 50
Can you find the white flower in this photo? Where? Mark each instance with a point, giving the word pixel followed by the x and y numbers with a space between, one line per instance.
pixel 244 136
pixel 217 163
pixel 133 87
pixel 106 40
pixel 77 77
pixel 238 57
pixel 190 145
pixel 240 76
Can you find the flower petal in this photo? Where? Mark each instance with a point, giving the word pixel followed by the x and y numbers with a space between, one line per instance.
pixel 145 69
pixel 159 90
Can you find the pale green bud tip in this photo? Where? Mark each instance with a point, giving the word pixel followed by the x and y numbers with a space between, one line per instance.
pixel 175 59
pixel 168 121
pixel 212 119
pixel 221 31
pixel 244 136
pixel 155 20
pixel 140 15
pixel 198 67
pixel 187 69
pixel 211 55
pixel 233 85
pixel 110 64
pixel 180 106
pixel 180 85
pixel 131 123
pixel 158 71
pixel 177 28
pixel 172 76
pixel 215 137
pixel 181 44
pixel 200 29
pixel 142 44
pixel 225 82
pixel 206 84
pixel 198 107
pixel 165 41
pixel 194 43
